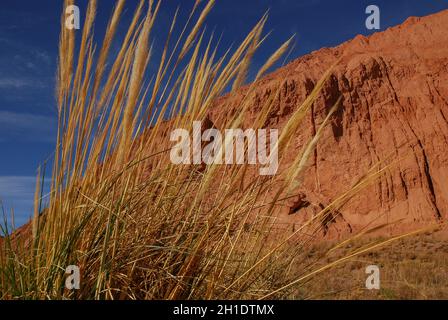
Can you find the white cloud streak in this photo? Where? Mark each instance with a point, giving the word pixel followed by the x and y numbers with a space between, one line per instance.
pixel 17 187
pixel 27 127
pixel 20 83
pixel 17 194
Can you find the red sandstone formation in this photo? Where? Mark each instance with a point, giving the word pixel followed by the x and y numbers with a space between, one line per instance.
pixel 394 88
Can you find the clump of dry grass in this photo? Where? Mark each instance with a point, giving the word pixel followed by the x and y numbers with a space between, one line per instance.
pixel 138 226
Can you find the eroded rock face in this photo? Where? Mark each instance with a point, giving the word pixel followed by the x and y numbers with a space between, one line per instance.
pixel 394 88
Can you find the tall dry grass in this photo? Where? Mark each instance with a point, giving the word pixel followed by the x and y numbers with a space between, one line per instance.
pixel 138 226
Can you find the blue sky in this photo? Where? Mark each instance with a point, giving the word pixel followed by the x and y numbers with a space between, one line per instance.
pixel 29 32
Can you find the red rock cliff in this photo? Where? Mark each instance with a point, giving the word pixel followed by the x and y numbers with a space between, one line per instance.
pixel 394 88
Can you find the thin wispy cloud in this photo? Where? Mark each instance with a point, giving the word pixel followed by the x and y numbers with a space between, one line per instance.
pixel 17 187
pixel 23 20
pixel 27 127
pixel 17 195
pixel 18 83
pixel 24 66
